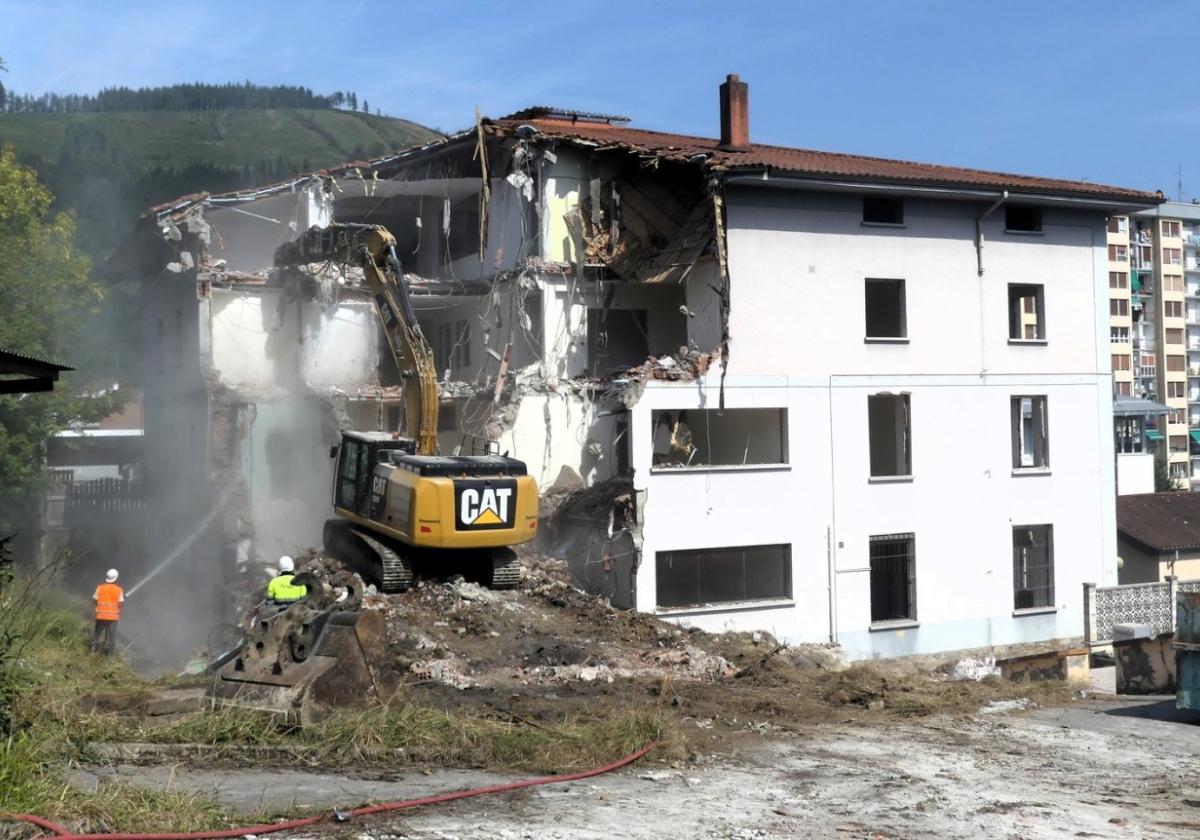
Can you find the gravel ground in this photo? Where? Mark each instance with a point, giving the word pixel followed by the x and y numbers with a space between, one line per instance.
pixel 1118 768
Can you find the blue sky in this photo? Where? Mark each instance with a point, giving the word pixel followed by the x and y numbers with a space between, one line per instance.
pixel 1095 90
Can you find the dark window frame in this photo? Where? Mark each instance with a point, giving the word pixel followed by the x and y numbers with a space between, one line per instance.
pixel 882 292
pixel 893 600
pixel 683 594
pixel 1039 449
pixel 1022 218
pixel 899 406
pixel 883 210
pixel 1017 294
pixel 1033 566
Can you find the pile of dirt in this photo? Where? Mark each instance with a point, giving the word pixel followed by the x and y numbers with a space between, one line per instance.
pixel 548 650
pixel 546 633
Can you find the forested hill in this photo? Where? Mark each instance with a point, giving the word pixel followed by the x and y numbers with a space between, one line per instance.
pixel 197 96
pixel 109 166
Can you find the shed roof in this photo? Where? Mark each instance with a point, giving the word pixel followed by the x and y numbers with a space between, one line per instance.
pixel 34 374
pixel 1161 521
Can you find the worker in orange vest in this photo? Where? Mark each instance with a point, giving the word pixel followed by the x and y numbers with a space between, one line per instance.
pixel 108 597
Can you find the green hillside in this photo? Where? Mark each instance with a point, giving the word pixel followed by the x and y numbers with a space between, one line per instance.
pixel 109 166
pixel 222 138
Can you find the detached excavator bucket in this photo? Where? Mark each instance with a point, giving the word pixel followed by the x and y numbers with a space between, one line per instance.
pixel 301 662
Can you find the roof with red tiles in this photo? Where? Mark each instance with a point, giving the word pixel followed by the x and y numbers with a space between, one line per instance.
pixel 611 132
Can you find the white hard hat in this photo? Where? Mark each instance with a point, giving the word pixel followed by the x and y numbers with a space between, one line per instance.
pixel 111 576
pixel 286 564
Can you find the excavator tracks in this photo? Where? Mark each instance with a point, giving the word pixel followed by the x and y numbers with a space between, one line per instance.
pixel 506 569
pixel 368 556
pixel 396 572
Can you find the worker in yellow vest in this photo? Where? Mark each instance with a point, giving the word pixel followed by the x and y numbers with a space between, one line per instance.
pixel 281 590
pixel 108 597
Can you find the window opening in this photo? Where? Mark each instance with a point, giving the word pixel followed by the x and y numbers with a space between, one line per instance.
pixel 1026 312
pixel 1033 566
pixel 700 438
pixel 893 578
pixel 723 575
pixel 889 428
pixel 883 211
pixel 617 339
pixel 1022 219
pixel 885 305
pixel 1030 433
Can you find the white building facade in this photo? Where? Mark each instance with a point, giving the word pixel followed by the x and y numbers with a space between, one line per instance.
pixel 971 544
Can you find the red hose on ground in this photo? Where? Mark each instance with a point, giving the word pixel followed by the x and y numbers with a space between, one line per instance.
pixel 64 834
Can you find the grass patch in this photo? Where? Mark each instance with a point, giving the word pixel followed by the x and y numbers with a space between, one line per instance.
pixel 429 736
pixel 410 734
pixel 33 779
pixel 917 695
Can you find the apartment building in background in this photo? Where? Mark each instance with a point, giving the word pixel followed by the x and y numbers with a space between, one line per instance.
pixel 1154 328
pixel 836 398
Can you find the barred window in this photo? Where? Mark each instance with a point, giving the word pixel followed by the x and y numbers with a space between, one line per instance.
pixel 893 578
pixel 1033 566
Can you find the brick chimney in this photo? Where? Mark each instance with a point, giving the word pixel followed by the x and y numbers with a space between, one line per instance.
pixel 735 114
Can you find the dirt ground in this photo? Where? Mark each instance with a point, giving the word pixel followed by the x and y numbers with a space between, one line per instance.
pixel 1079 771
pixel 1116 769
pixel 765 740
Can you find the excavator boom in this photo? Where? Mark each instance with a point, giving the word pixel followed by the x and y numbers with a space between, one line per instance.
pixel 374 248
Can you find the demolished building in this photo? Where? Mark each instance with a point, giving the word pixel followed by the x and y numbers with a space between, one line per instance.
pixel 746 377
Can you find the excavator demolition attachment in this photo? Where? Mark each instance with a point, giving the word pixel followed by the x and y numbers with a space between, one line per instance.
pixel 304 659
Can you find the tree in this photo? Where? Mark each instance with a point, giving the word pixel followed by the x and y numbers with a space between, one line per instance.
pixel 47 298
pixel 366 107
pixel 1163 480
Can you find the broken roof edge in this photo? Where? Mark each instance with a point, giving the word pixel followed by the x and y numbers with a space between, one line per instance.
pixel 174 206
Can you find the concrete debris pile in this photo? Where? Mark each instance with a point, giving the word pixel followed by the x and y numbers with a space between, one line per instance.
pixel 686 364
pixel 548 633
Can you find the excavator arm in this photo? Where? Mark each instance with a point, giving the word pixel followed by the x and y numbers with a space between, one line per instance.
pixel 374 248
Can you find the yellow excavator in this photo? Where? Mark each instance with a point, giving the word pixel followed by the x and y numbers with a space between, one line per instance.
pixel 401 506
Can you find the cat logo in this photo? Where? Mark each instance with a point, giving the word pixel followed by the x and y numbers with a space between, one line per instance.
pixel 485 505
